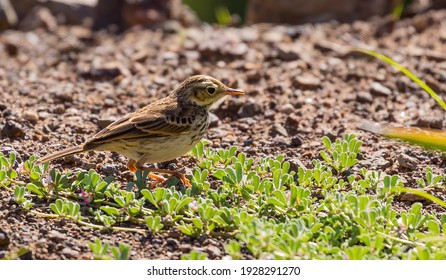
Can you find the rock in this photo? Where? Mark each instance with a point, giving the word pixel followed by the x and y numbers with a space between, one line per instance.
pixel 364 97
pixel 185 248
pixel 31 116
pixel 172 166
pixel 56 236
pixel 213 120
pixel 250 122
pixel 273 36
pixel 59 109
pixel 287 52
pixel 171 26
pixel 280 141
pixel 295 163
pixel 407 162
pixel 109 102
pixel 269 114
pixel 110 169
pixel 173 243
pixel 296 142
pixel 253 76
pixel 292 124
pixel 103 123
pixel 7 112
pixel 306 82
pixel 249 34
pixel 63 93
pixel 244 127
pixel 292 120
pixel 378 160
pixel 140 56
pixel 287 108
pixel 217 133
pixel 174 233
pixel 12 130
pixel 101 73
pixel 430 121
pixel 249 109
pixel 4 239
pixel 213 252
pixel 278 129
pixel 378 89
pixel 3 106
pixel 70 253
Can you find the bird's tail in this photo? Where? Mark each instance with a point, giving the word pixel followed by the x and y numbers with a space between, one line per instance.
pixel 59 154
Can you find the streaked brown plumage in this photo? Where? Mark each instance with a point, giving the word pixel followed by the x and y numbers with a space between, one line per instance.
pixel 160 131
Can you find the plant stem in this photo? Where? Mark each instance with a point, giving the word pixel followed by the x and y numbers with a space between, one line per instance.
pixel 400 240
pixel 75 219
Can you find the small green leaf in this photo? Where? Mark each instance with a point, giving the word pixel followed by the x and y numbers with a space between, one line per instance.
pixel 197 223
pixel 219 174
pixel 149 196
pixel 57 207
pixel 111 211
pixel 185 201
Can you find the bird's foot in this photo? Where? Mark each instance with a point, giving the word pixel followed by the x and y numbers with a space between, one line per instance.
pixel 132 167
pixel 183 179
pixel 158 179
pixel 177 174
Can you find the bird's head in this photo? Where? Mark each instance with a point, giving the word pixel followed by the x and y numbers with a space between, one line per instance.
pixel 203 90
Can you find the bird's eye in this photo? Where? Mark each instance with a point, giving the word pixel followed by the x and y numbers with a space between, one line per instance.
pixel 210 90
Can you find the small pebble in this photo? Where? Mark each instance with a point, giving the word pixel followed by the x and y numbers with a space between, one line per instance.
pixel 4 239
pixel 56 235
pixel 213 252
pixel 70 253
pixel 287 108
pixel 378 89
pixel 306 82
pixel 31 116
pixel 364 97
pixel 407 162
pixel 250 108
pixel 12 130
pixel 213 120
pixel 430 121
pixel 173 243
pixel 278 129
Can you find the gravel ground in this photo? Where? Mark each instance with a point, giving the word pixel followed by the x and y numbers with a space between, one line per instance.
pixel 59 88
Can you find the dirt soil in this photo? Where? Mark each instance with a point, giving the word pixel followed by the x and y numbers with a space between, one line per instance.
pixel 59 88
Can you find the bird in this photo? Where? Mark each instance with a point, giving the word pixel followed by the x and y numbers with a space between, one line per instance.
pixel 161 131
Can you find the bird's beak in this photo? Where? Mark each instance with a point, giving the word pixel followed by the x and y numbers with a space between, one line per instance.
pixel 233 91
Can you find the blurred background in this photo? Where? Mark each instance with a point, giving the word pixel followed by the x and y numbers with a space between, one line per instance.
pixel 122 14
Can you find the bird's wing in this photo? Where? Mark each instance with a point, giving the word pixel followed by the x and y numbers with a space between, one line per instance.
pixel 143 123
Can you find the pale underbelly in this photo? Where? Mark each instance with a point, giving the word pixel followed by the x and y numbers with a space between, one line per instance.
pixel 152 150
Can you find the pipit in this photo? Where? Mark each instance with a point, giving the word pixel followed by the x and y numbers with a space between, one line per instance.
pixel 160 131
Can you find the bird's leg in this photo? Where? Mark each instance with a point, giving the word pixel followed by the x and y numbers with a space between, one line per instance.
pixel 177 174
pixel 131 165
